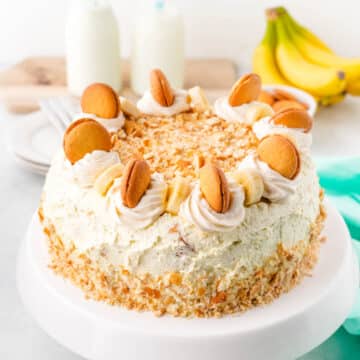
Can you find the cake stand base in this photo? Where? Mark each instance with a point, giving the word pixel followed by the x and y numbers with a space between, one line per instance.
pixel 285 329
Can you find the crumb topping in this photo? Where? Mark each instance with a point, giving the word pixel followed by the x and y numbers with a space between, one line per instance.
pixel 171 145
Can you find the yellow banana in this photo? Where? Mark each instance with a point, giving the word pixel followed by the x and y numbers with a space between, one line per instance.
pixel 318 56
pixel 264 62
pixel 304 32
pixel 351 68
pixel 353 88
pixel 178 191
pixel 252 183
pixel 311 77
pixel 331 100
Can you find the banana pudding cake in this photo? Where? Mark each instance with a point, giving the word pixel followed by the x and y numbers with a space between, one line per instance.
pixel 179 207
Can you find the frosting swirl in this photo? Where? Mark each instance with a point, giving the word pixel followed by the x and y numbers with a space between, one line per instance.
pixel 265 127
pixel 242 113
pixel 149 208
pixel 197 211
pixel 110 125
pixel 276 187
pixel 148 105
pixel 86 170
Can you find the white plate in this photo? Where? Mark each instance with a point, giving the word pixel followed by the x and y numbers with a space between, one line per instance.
pixel 285 329
pixel 35 139
pixel 31 166
pixel 299 94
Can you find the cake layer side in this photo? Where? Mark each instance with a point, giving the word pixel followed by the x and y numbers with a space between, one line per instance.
pixel 178 294
pixel 82 219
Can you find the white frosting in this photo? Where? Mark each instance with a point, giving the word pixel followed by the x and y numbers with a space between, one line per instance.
pixel 236 113
pixel 110 125
pixel 86 170
pixel 149 208
pixel 83 219
pixel 265 127
pixel 197 211
pixel 148 105
pixel 277 188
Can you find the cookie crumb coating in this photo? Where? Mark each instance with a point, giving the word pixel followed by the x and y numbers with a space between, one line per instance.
pixel 173 293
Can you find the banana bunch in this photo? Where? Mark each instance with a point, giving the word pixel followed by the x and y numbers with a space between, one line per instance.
pixel 290 54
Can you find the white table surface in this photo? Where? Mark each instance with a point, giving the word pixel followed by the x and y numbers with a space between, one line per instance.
pixel 336 133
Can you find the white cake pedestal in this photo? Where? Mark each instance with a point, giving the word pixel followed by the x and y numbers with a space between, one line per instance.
pixel 285 329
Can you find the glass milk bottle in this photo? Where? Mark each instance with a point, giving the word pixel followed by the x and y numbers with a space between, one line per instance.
pixel 158 42
pixel 92 46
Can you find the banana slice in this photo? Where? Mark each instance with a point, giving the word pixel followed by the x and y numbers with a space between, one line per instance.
pixel 199 162
pixel 106 179
pixel 252 183
pixel 199 100
pixel 129 108
pixel 255 113
pixel 178 191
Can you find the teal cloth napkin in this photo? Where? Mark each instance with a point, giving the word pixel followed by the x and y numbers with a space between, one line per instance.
pixel 341 180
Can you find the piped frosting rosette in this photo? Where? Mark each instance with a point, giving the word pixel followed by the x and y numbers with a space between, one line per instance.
pixel 276 187
pixel 87 148
pixel 245 113
pixel 102 104
pixel 241 104
pixel 111 125
pixel 146 211
pixel 86 170
pixel 292 123
pixel 148 105
pixel 161 99
pixel 197 211
pixel 278 162
pixel 214 204
pixel 265 127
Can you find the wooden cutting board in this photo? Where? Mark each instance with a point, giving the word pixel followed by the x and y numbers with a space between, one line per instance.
pixel 22 85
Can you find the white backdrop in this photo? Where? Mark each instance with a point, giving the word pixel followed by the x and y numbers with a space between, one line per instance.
pixel 223 28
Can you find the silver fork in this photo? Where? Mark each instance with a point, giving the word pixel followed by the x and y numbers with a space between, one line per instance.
pixel 59 110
